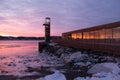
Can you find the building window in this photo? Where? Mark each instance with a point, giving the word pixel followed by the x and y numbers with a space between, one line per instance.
pixel 74 36
pixel 85 35
pixel 97 34
pixel 116 33
pixel 91 35
pixel 108 34
pixel 102 34
pixel 79 35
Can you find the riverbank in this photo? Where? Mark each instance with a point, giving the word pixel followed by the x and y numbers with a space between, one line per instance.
pixel 72 63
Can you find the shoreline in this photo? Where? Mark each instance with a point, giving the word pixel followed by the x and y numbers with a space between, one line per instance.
pixel 74 63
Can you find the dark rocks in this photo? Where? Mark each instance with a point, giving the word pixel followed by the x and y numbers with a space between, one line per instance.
pixel 42 45
pixel 58 50
pixel 9 77
pixel 11 64
pixel 70 64
pixel 4 72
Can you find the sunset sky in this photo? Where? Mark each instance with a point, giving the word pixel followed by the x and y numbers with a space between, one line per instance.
pixel 25 17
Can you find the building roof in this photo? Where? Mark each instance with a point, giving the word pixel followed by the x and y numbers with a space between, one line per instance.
pixel 104 26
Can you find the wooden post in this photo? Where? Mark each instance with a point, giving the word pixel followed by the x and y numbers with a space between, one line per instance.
pixel 42 45
pixel 47 29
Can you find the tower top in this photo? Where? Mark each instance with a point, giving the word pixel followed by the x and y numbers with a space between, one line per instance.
pixel 47 29
pixel 47 21
pixel 47 18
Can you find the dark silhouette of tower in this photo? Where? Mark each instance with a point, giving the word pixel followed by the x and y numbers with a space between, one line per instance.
pixel 47 29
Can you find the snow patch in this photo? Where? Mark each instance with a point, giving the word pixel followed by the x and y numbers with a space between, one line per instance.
pixel 52 44
pixel 76 55
pixel 104 67
pixel 28 74
pixel 101 76
pixel 56 76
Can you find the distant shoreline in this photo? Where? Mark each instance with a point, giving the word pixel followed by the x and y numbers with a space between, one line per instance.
pixel 27 38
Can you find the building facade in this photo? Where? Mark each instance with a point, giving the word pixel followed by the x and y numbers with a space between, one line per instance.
pixel 104 38
pixel 107 31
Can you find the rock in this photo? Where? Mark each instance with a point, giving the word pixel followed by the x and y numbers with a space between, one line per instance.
pixel 4 72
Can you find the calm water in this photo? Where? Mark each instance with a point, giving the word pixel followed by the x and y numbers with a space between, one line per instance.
pixel 17 56
pixel 10 48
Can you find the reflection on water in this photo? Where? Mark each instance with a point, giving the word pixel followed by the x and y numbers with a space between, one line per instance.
pixel 10 48
pixel 16 55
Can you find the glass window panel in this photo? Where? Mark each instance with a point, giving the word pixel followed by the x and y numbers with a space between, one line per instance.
pixel 116 33
pixel 79 35
pixel 97 34
pixel 74 36
pixel 108 34
pixel 102 34
pixel 91 35
pixel 85 35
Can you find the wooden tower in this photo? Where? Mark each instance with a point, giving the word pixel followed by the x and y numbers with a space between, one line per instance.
pixel 47 29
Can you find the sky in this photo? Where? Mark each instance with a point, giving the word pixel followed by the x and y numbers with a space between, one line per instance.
pixel 26 17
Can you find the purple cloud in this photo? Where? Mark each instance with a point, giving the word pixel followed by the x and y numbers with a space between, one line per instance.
pixel 66 15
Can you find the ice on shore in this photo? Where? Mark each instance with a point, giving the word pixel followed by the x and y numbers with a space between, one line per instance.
pixel 103 71
pixel 104 67
pixel 16 65
pixel 56 76
pixel 101 76
pixel 28 74
pixel 76 56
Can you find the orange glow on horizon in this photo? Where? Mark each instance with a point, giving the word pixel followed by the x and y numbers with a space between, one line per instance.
pixel 18 35
pixel 27 30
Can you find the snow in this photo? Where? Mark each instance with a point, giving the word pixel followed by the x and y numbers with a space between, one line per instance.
pixel 82 63
pixel 17 65
pixel 103 71
pixel 77 56
pixel 104 67
pixel 56 76
pixel 52 44
pixel 28 74
pixel 101 76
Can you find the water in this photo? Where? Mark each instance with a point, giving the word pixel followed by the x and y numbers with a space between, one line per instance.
pixel 15 56
pixel 12 48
